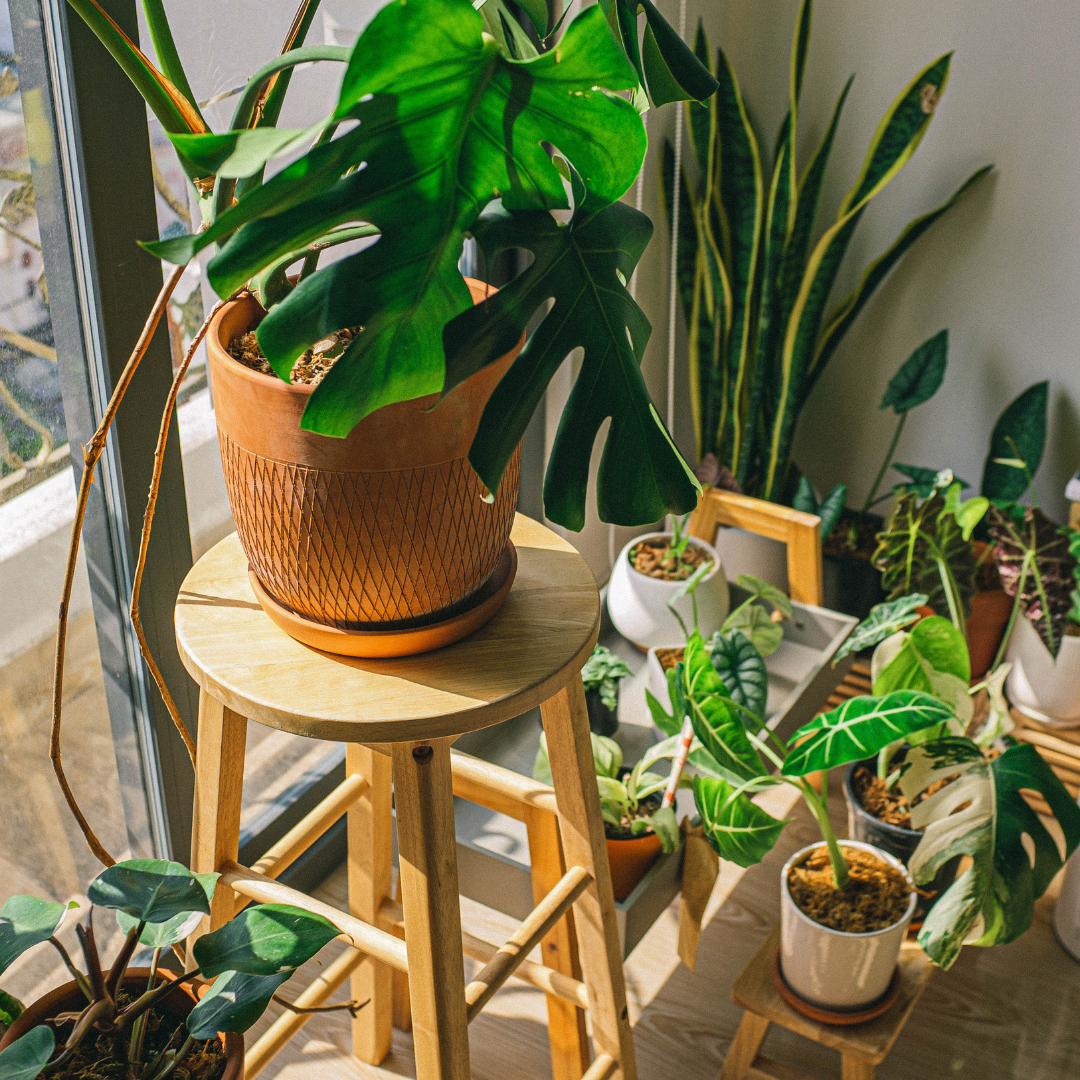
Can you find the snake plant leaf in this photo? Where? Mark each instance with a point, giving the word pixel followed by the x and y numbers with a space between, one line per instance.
pixel 26 1057
pixel 742 670
pixel 233 1003
pixel 264 940
pixel 736 827
pixel 1034 560
pixel 920 376
pixel 11 1008
pixel 582 266
pixel 829 509
pixel 859 728
pixel 1020 432
pixel 26 921
pixel 984 815
pixel 161 935
pixel 149 890
pixel 883 621
pixel 157 22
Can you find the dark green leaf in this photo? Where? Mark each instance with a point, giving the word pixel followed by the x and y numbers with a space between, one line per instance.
pixel 805 500
pixel 233 1003
pixel 735 826
pixel 150 890
pixel 26 921
pixel 832 506
pixel 859 728
pixel 1020 432
pixel 11 1008
pixel 742 669
pixel 641 474
pixel 160 935
pixel 920 481
pixel 264 940
pixel 26 1057
pixel 883 621
pixel 920 376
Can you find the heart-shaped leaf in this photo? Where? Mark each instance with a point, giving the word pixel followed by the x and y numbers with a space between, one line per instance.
pixel 920 376
pixel 26 921
pixel 160 935
pixel 233 1003
pixel 742 670
pixel 26 1057
pixel 1020 433
pixel 859 728
pixel 149 890
pixel 883 621
pixel 735 826
pixel 756 624
pixel 264 940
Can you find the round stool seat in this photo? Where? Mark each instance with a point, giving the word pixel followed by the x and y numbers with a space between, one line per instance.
pixel 535 644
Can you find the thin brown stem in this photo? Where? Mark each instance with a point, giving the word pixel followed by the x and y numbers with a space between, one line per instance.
pixel 79 977
pixel 91 453
pixel 85 935
pixel 148 521
pixel 120 965
pixel 351 1007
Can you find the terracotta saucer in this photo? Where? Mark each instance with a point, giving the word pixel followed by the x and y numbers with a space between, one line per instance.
pixel 835 1016
pixel 370 644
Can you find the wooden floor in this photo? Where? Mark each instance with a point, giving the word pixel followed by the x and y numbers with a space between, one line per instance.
pixel 1008 1012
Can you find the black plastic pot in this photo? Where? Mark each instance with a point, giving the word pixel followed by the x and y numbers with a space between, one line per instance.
pixel 602 720
pixel 850 585
pixel 895 840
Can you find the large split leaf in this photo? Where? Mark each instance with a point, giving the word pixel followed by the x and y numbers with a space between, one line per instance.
pixel 735 826
pixel 149 890
pixel 983 814
pixel 742 670
pixel 26 1057
pixel 233 1003
pixel 883 621
pixel 579 266
pixel 859 728
pixel 1034 560
pixel 1018 440
pixel 26 921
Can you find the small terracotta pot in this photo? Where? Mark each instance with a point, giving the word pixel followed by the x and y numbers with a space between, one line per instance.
pixel 989 615
pixel 630 861
pixel 69 998
pixel 386 529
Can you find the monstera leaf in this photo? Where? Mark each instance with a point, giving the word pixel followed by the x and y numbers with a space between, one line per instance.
pixel 582 266
pixel 447 123
pixel 742 670
pixel 922 549
pixel 735 826
pixel 1034 561
pixel 982 813
pixel 883 621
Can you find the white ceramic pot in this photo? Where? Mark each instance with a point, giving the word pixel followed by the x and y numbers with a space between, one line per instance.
pixel 1067 910
pixel 638 604
pixel 830 968
pixel 1041 687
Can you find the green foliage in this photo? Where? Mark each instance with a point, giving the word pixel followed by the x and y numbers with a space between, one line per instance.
pixel 26 921
pixel 26 1057
pixel 11 1008
pixel 982 814
pixel 883 621
pixel 968 513
pixel 1016 446
pixel 753 283
pixel 924 482
pixel 735 825
pixel 742 670
pixel 149 890
pixel 602 672
pixel 919 377
pixel 754 620
pixel 829 509
pixel 233 1003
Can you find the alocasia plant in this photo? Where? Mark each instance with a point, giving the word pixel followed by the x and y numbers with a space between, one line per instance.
pixel 883 621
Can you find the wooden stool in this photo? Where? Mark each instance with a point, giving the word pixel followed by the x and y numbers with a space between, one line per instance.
pixel 398 717
pixel 862 1046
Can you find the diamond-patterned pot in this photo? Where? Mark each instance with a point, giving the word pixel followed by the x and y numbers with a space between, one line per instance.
pixel 383 530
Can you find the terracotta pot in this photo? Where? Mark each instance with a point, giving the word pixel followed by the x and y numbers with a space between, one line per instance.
pixel 69 998
pixel 383 530
pixel 630 861
pixel 989 614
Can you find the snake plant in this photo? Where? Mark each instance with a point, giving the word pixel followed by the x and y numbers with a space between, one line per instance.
pixel 445 128
pixel 753 283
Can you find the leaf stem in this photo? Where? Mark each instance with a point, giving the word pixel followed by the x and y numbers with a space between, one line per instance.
pixel 77 975
pixel 147 1001
pixel 884 466
pixel 841 878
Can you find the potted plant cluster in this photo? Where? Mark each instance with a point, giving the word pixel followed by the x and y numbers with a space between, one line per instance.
pixel 646 596
pixel 600 677
pixel 149 1023
pixel 369 414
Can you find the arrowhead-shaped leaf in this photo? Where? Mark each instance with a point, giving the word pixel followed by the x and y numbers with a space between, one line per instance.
pixel 160 935
pixel 920 376
pixel 883 621
pixel 859 728
pixel 583 267
pixel 233 1003
pixel 742 670
pixel 26 921
pixel 149 890
pixel 264 940
pixel 1020 432
pixel 735 825
pixel 26 1057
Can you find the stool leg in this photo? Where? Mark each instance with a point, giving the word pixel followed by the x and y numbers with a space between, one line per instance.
pixel 566 722
pixel 370 863
pixel 744 1047
pixel 219 787
pixel 566 1023
pixel 856 1067
pixel 427 858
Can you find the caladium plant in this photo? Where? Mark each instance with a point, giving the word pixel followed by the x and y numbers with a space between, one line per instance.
pixel 157 904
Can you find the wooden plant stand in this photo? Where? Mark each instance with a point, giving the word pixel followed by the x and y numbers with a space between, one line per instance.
pixel 398 719
pixel 862 1046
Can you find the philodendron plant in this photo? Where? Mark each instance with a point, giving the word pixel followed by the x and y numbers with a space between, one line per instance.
pixel 157 904
pixel 445 127
pixel 753 282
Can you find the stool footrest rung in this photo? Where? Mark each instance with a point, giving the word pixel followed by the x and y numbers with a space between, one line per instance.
pixel 603 1067
pixel 527 936
pixel 370 940
pixel 306 831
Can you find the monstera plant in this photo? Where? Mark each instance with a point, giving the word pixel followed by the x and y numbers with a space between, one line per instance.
pixel 754 282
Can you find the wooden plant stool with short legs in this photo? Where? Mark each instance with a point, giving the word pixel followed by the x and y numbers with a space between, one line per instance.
pixel 398 719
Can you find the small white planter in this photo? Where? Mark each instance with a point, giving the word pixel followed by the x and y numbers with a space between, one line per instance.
pixel 638 604
pixel 830 968
pixel 1041 687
